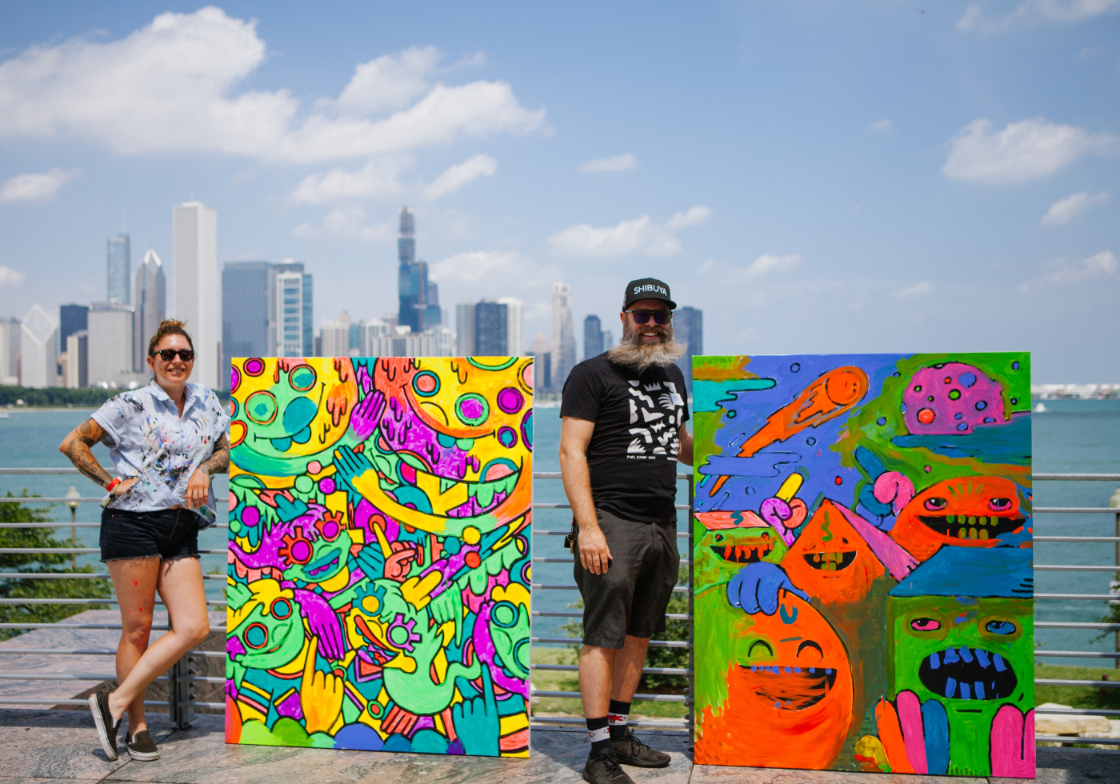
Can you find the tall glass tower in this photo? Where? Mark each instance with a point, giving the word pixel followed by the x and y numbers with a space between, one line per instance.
pixel 119 269
pixel 419 300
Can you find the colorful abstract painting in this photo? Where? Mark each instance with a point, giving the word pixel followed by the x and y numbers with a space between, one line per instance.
pixel 379 554
pixel 863 563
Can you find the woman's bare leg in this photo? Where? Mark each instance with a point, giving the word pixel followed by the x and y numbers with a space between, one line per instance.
pixel 134 581
pixel 181 588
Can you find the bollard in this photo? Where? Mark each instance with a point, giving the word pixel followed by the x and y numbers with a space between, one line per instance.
pixel 180 692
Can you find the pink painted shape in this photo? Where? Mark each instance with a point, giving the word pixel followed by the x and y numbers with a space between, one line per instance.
pixel 717 521
pixel 1012 743
pixel 898 562
pixel 894 488
pixel 913 730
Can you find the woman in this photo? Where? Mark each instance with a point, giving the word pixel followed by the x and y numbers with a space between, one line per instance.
pixel 165 440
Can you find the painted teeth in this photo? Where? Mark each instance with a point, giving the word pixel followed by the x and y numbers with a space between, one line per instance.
pixel 997 660
pixel 934 662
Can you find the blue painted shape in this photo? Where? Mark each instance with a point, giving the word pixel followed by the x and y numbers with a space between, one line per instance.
pixel 951 656
pixel 966 654
pixel 934 661
pixel 936 723
pixel 992 442
pixel 708 395
pixel 950 687
pixel 756 586
pixel 998 661
pixel 1003 572
pixel 982 655
pixel 966 691
pixel 978 687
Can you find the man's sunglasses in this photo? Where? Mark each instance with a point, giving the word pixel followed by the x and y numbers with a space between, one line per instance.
pixel 662 317
pixel 168 354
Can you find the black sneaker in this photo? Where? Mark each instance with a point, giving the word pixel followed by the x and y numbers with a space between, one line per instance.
pixel 602 768
pixel 103 720
pixel 631 751
pixel 141 747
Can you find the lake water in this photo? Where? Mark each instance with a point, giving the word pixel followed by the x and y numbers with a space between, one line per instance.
pixel 1072 436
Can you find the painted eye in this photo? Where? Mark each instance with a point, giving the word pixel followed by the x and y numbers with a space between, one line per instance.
pixel 936 504
pixel 302 378
pixel 503 615
pixel 999 504
pixel 261 407
pixel 281 609
pixel 256 636
pixel 1002 628
pixel 763 644
pixel 925 625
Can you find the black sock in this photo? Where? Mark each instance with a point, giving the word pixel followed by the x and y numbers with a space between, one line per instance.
pixel 618 716
pixel 600 735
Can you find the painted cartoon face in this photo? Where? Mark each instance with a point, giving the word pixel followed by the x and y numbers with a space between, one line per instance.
pixel 792 676
pixel 971 654
pixel 452 443
pixel 269 627
pixel 282 409
pixel 738 547
pixel 830 560
pixel 315 548
pixel 972 511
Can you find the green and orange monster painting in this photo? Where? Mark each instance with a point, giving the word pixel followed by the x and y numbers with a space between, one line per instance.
pixel 379 554
pixel 863 563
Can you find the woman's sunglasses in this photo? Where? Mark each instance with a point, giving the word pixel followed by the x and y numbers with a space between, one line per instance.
pixel 662 317
pixel 168 354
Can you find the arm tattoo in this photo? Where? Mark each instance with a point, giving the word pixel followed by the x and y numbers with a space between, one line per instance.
pixel 219 461
pixel 85 436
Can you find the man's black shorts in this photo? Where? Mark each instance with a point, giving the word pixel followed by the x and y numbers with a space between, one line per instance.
pixel 630 599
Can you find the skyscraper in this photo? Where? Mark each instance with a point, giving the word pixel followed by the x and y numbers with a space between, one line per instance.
pixel 77 360
pixel 419 299
pixel 151 307
pixel 541 352
pixel 110 344
pixel 195 263
pixel 515 326
pixel 119 269
pixel 295 314
pixel 464 329
pixel 563 339
pixel 10 336
pixel 335 336
pixel 38 349
pixel 592 337
pixel 688 327
pixel 71 319
pixel 491 329
pixel 248 311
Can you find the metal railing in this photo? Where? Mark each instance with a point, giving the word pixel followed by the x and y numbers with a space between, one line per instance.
pixel 182 677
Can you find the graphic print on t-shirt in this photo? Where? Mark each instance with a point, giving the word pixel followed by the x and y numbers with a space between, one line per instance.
pixel 656 414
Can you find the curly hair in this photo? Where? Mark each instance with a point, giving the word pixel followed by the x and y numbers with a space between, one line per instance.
pixel 169 327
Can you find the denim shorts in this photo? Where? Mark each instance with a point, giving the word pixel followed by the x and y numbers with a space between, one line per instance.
pixel 168 534
pixel 630 599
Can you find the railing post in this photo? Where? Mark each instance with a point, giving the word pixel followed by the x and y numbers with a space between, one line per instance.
pixel 180 693
pixel 691 704
pixel 1114 587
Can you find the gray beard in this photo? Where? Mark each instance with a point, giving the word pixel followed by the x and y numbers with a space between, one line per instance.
pixel 630 353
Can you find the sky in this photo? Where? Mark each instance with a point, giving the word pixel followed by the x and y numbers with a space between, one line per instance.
pixel 817 177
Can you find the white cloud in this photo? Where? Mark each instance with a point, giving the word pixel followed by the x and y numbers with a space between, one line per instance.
pixel 455 177
pixel 473 266
pixel 1067 273
pixel 882 126
pixel 36 188
pixel 641 235
pixel 917 290
pixel 1036 11
pixel 376 180
pixel 1062 210
pixel 172 87
pixel 389 82
pixel 10 277
pixel 618 163
pixel 348 223
pixel 765 264
pixel 1022 151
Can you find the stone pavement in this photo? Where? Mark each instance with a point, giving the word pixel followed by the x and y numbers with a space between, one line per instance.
pixel 50 747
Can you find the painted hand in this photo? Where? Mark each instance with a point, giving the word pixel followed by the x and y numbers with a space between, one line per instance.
pixel 320 695
pixel 399 564
pixel 756 587
pixel 366 414
pixel 476 718
pixel 1012 743
pixel 914 735
pixel 355 469
pixel 289 510
pixel 323 622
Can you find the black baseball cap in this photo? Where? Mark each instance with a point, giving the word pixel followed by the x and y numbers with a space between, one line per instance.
pixel 647 288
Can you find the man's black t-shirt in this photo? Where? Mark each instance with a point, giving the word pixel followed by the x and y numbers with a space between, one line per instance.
pixel 633 451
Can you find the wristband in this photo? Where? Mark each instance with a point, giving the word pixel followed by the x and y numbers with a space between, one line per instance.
pixel 116 481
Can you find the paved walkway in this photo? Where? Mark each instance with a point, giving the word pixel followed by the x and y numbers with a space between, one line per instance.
pixel 50 747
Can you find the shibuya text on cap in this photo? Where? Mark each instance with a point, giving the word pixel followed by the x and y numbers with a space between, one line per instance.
pixel 647 288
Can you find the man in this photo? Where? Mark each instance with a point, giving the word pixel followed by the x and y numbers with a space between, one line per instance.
pixel 622 432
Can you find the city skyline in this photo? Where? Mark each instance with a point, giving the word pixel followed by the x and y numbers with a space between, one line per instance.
pixel 875 177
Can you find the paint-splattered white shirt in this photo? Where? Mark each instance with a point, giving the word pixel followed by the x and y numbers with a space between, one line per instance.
pixel 147 439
